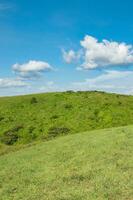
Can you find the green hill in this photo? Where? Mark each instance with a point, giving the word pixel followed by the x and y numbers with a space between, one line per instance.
pixel 25 119
pixel 96 165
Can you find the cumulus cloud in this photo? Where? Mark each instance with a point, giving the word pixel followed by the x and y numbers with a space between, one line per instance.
pixel 10 82
pixel 110 81
pixel 104 53
pixel 70 56
pixel 31 69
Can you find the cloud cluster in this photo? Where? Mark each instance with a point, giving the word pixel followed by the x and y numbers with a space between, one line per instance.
pixel 12 82
pixel 25 74
pixel 110 81
pixel 71 56
pixel 92 54
pixel 31 69
pixel 104 53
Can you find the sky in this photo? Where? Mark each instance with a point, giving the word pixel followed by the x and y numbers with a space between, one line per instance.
pixel 59 45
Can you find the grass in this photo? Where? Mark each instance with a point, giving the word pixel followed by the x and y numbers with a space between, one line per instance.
pixel 95 165
pixel 26 119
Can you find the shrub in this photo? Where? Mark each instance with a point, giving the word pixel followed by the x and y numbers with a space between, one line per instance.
pixel 41 130
pixel 17 128
pixel 11 136
pixel 30 134
pixel 68 106
pixel 79 92
pixel 54 117
pixel 31 129
pixel 96 112
pixel 1 118
pixel 119 103
pixel 69 91
pixel 10 119
pixel 33 100
pixel 55 131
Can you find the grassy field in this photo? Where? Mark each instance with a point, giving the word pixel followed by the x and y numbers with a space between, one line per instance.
pixel 25 119
pixel 95 165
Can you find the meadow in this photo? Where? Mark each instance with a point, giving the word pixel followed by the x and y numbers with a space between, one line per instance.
pixel 94 165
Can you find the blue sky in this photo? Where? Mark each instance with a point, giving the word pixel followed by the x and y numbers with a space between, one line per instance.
pixel 55 45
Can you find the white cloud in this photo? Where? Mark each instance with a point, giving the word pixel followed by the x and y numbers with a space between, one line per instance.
pixel 32 68
pixel 110 75
pixel 71 56
pixel 110 81
pixel 104 53
pixel 10 82
pixel 49 86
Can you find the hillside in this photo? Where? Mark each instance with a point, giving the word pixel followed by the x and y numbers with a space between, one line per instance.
pixel 25 119
pixel 94 165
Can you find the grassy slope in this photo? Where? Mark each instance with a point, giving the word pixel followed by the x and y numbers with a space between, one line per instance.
pixel 95 165
pixel 80 111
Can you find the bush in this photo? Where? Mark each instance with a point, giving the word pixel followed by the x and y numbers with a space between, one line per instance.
pixel 11 136
pixel 17 128
pixel 31 134
pixel 69 91
pixel 68 106
pixel 33 100
pixel 96 112
pixel 54 117
pixel 1 118
pixel 31 129
pixel 55 131
pixel 119 103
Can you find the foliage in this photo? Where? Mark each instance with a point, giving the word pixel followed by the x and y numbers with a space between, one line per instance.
pixel 33 100
pixel 68 106
pixel 1 118
pixel 77 111
pixel 55 131
pixel 11 136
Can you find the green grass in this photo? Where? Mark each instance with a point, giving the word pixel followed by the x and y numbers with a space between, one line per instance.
pixel 25 119
pixel 95 165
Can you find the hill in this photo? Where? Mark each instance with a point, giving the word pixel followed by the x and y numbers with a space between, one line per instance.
pixel 24 119
pixel 95 165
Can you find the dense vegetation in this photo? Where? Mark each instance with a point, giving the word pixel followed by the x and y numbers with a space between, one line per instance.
pixel 24 119
pixel 94 165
